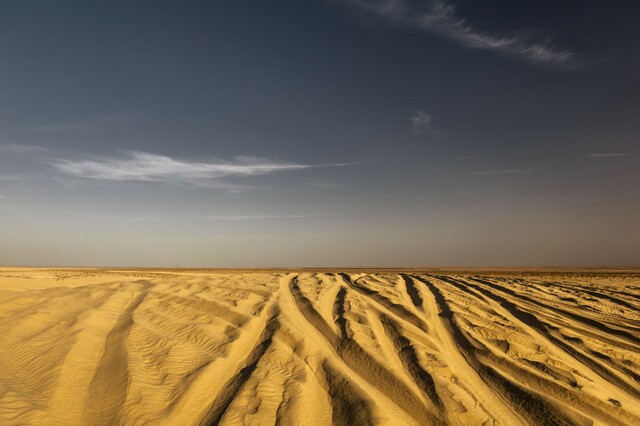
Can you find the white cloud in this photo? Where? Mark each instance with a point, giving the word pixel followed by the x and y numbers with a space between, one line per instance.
pixel 606 155
pixel 439 17
pixel 145 167
pixel 420 121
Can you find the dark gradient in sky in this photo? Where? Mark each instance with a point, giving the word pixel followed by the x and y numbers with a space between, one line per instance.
pixel 319 133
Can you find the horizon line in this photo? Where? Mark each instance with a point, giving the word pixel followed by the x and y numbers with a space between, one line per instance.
pixel 444 268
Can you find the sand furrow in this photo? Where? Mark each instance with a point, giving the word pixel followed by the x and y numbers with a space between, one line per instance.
pixel 580 319
pixel 211 390
pixel 592 406
pixel 606 377
pixel 84 362
pixel 360 361
pixel 228 391
pixel 397 309
pixel 459 352
pixel 348 358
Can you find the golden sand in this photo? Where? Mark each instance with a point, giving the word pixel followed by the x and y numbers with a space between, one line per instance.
pixel 106 347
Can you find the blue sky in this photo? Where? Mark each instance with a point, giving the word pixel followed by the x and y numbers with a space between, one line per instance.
pixel 324 133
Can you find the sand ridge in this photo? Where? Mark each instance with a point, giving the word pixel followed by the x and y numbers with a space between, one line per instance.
pixel 302 347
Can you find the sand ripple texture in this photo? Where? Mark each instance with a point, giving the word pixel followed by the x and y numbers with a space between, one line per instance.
pixel 194 348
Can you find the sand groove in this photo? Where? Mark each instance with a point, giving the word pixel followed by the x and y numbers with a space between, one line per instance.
pixel 139 347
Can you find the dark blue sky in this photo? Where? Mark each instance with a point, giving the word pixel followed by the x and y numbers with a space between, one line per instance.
pixel 319 133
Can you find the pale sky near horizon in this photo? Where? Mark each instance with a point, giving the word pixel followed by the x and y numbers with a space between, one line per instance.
pixel 319 133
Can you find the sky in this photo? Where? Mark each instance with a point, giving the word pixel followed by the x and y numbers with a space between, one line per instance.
pixel 319 133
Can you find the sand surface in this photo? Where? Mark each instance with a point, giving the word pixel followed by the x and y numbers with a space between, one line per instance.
pixel 106 347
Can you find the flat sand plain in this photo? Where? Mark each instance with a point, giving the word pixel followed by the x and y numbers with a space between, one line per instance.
pixel 108 347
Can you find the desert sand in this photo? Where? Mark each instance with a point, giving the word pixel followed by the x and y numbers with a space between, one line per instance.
pixel 178 347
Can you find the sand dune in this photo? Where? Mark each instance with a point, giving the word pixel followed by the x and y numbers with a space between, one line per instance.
pixel 101 347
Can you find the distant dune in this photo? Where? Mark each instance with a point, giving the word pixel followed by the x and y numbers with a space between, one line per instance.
pixel 178 347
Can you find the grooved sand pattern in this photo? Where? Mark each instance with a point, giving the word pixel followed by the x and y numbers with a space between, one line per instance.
pixel 190 347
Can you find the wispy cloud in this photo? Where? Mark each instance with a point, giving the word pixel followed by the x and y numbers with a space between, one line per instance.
pixel 503 172
pixel 145 167
pixel 230 217
pixel 12 177
pixel 420 122
pixel 495 172
pixel 606 155
pixel 256 217
pixel 439 17
pixel 128 219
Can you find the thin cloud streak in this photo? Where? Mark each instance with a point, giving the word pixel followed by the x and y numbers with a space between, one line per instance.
pixel 212 218
pixel 145 167
pixel 607 155
pixel 439 17
pixel 257 217
pixel 129 219
pixel 503 172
